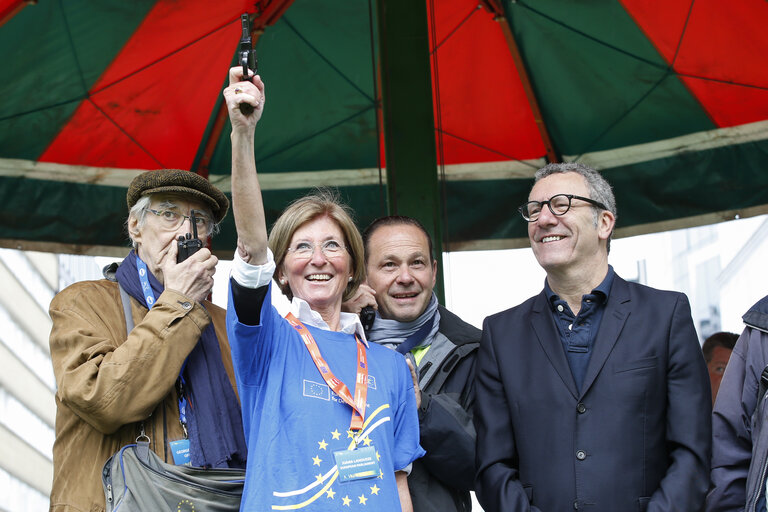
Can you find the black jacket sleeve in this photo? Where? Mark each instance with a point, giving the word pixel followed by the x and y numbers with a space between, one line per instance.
pixel 248 302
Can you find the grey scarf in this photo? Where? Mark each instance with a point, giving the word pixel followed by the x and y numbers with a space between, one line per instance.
pixel 391 333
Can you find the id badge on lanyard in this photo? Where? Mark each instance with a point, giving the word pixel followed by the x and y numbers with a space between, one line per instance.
pixel 354 463
pixel 180 448
pixel 361 381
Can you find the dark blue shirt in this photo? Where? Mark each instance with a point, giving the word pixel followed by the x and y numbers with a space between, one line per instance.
pixel 578 333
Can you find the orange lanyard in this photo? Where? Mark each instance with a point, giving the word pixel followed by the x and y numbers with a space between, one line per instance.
pixel 338 387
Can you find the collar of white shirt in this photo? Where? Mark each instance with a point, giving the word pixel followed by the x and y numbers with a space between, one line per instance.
pixel 348 322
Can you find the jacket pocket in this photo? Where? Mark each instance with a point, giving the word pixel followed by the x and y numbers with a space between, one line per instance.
pixel 637 364
pixel 642 504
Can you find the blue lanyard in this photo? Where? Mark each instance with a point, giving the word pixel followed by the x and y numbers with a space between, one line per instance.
pixel 183 403
pixel 149 298
pixel 149 295
pixel 417 337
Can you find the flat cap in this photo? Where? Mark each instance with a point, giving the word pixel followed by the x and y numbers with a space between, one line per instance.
pixel 180 182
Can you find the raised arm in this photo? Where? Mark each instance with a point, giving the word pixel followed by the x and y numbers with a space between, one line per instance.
pixel 247 203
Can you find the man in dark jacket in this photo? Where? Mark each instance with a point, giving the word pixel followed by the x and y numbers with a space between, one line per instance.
pixel 440 348
pixel 593 394
pixel 739 436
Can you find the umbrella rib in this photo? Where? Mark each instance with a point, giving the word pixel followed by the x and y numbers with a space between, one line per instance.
pixel 320 132
pixel 491 150
pixel 456 28
pixel 72 47
pixel 682 34
pixel 721 81
pixel 623 116
pixel 592 38
pixel 163 57
pixel 374 71
pixel 324 58
pixel 145 150
pixel 46 107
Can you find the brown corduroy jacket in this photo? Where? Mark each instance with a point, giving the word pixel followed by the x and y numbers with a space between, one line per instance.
pixel 109 382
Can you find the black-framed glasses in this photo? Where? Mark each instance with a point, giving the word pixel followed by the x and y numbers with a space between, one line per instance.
pixel 558 204
pixel 172 219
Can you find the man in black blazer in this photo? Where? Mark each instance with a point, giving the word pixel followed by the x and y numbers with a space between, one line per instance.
pixel 592 395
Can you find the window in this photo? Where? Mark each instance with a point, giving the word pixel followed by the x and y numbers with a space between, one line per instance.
pixel 26 424
pixel 29 352
pixel 16 495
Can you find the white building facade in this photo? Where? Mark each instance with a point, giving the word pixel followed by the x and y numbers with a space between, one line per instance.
pixel 27 385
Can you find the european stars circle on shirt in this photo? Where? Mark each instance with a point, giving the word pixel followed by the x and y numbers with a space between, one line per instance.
pixel 185 505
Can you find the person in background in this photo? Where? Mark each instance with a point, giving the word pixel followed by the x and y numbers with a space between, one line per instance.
pixel 119 345
pixel 739 433
pixel 401 274
pixel 593 394
pixel 717 351
pixel 331 418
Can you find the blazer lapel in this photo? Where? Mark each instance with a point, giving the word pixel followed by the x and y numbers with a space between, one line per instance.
pixel 614 317
pixel 549 339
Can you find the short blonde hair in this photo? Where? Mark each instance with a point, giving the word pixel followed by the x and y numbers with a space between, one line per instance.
pixel 321 202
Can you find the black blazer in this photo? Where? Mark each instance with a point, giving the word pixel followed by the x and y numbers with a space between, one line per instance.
pixel 636 437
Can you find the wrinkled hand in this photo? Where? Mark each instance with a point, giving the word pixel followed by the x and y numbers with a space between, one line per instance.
pixel 415 378
pixel 192 277
pixel 364 296
pixel 239 92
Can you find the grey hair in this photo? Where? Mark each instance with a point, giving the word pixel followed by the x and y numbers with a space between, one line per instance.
pixel 140 209
pixel 599 188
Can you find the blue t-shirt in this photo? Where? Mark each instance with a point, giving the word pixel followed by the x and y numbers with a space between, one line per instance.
pixel 293 421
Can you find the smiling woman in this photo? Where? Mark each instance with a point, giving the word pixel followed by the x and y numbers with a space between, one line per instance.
pixel 309 224
pixel 315 437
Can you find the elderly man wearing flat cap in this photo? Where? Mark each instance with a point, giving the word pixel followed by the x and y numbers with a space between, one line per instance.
pixel 142 353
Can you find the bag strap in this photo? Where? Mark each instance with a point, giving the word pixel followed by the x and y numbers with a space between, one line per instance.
pixel 142 442
pixel 763 384
pixel 142 449
pixel 127 312
pixel 451 359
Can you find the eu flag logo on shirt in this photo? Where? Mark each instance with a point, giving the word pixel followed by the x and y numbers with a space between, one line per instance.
pixel 316 390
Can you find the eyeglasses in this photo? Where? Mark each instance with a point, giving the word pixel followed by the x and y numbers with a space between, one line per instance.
pixel 330 248
pixel 172 219
pixel 558 204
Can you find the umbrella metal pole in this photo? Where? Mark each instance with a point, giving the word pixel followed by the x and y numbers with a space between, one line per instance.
pixel 409 129
pixel 497 9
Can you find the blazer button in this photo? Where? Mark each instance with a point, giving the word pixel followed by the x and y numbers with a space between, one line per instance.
pixel 575 505
pixel 186 305
pixel 581 455
pixel 581 408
